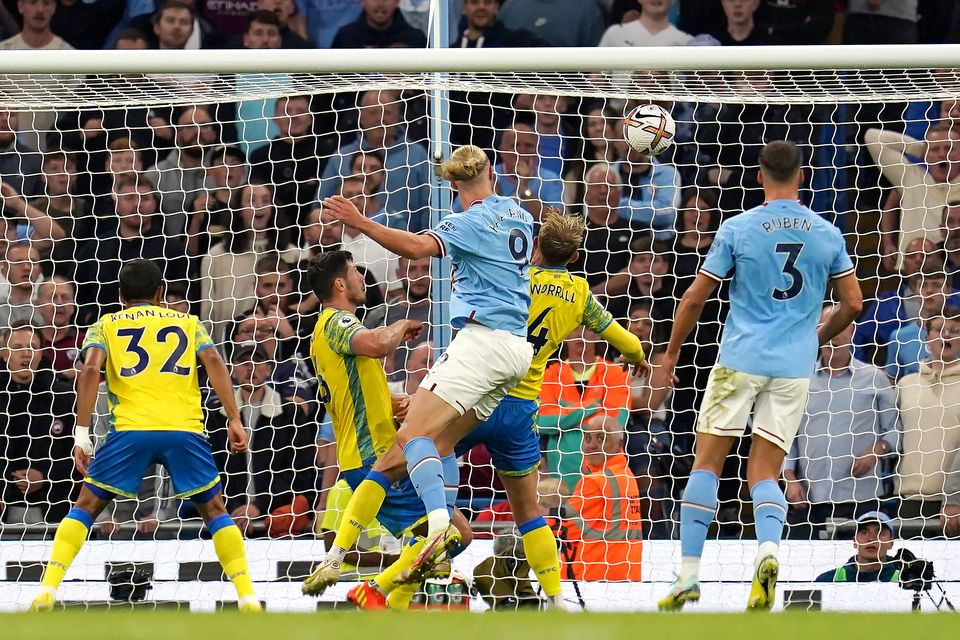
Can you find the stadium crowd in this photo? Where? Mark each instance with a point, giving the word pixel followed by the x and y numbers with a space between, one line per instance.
pixel 224 198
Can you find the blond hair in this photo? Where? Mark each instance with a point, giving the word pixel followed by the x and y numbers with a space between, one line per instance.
pixel 560 236
pixel 464 164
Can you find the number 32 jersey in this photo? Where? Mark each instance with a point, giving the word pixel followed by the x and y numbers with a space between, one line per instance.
pixel 560 302
pixel 151 367
pixel 782 255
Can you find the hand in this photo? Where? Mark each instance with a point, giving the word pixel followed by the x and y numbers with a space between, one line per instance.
pixel 889 254
pixel 12 198
pixel 639 370
pixel 147 525
pixel 663 376
pixel 796 494
pixel 237 435
pixel 630 15
pixel 201 203
pixel 864 462
pixel 108 527
pixel 950 520
pixel 412 330
pixel 82 460
pixel 28 480
pixel 344 211
pixel 525 172
pixel 243 516
pixel 400 406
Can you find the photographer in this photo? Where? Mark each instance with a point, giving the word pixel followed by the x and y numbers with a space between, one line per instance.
pixel 874 539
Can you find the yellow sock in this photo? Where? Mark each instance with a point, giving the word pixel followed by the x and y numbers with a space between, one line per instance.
pixel 360 512
pixel 385 579
pixel 229 545
pixel 401 596
pixel 70 536
pixel 541 547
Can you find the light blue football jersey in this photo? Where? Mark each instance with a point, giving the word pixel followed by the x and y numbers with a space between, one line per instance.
pixel 782 256
pixel 490 245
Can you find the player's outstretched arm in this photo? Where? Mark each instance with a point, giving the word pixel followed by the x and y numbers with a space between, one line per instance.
pixel 88 385
pixel 847 289
pixel 402 243
pixel 220 381
pixel 382 341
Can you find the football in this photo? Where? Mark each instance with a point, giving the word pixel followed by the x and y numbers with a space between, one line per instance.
pixel 649 129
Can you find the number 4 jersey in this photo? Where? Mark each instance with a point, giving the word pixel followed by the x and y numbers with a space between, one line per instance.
pixel 781 255
pixel 151 367
pixel 559 303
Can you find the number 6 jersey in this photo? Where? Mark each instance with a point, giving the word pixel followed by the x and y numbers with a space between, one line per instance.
pixel 151 367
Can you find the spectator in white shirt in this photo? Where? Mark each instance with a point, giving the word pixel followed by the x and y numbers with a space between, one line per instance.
pixel 652 29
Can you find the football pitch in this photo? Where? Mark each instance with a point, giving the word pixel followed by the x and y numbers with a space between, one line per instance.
pixel 166 625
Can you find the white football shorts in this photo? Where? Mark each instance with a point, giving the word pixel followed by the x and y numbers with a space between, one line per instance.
pixel 777 405
pixel 479 368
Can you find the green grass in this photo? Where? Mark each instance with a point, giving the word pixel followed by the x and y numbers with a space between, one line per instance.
pixel 129 625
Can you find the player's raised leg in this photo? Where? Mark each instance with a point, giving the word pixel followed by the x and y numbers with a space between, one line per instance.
pixel 698 508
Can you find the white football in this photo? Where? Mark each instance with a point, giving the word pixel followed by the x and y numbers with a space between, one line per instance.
pixel 649 129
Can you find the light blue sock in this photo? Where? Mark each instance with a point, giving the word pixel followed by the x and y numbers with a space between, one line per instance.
pixel 451 481
pixel 697 511
pixel 426 474
pixel 769 511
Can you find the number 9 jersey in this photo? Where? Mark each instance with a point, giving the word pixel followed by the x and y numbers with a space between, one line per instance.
pixel 559 303
pixel 151 368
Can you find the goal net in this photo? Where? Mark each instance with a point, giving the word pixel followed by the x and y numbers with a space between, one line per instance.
pixel 216 174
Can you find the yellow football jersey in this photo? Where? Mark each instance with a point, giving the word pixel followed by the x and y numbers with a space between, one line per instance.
pixel 354 389
pixel 151 367
pixel 559 303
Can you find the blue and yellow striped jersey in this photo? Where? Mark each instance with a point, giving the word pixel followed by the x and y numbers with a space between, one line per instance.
pixel 354 390
pixel 151 367
pixel 559 303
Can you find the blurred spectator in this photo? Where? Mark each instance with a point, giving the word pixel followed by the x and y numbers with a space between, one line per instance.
pixel 175 297
pixel 173 24
pixel 62 206
pixel 651 193
pixel 408 171
pixel 262 32
pixel 740 28
pixel 366 251
pixel 555 141
pixel 950 516
pixel 293 160
pixel 36 431
pixel 293 27
pixel 229 18
pixel 212 209
pixel 923 190
pixel 880 22
pixel 21 269
pixel 485 29
pixel 606 247
pixel 599 135
pixel 930 413
pixel 652 29
pixel 697 224
pixel 20 165
pixel 278 296
pixel 874 539
pixel 576 388
pixel 59 335
pixel 180 176
pixel 520 174
pixel 417 13
pixel 36 32
pixel 907 349
pixel 325 17
pixel 291 376
pixel 798 21
pixel 849 427
pixel 277 477
pixel 559 23
pixel 605 508
pixel 411 301
pixel 30 224
pixel 380 25
pixel 950 247
pixel 227 273
pixel 133 232
pixel 649 271
pixel 84 24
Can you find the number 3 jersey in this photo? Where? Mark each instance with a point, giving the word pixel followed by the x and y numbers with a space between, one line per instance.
pixel 151 368
pixel 559 303
pixel 781 256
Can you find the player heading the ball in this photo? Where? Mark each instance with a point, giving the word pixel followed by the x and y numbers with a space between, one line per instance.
pixel 150 354
pixel 783 256
pixel 490 245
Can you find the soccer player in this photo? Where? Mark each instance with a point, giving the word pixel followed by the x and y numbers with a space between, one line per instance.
pixel 490 245
pixel 782 256
pixel 150 354
pixel 353 386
